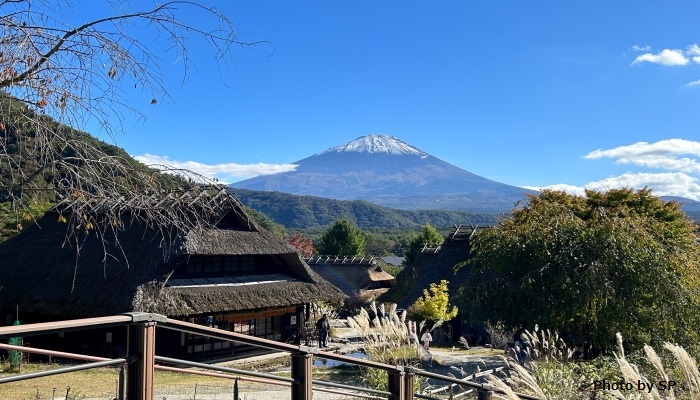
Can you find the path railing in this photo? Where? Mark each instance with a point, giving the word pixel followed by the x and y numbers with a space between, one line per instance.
pixel 137 377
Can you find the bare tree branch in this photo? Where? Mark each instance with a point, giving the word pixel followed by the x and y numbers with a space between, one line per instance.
pixel 54 76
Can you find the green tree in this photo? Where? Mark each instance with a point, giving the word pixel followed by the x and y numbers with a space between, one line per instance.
pixel 591 266
pixel 378 243
pixel 434 305
pixel 343 238
pixel 428 235
pixel 12 221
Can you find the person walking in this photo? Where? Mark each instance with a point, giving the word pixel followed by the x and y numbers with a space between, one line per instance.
pixel 426 338
pixel 323 326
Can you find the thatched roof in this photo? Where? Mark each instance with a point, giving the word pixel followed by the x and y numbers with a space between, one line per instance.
pixel 432 267
pixel 351 277
pixel 234 242
pixel 131 272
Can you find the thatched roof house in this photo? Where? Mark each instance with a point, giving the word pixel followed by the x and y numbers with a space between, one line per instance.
pixel 354 276
pixel 432 265
pixel 237 276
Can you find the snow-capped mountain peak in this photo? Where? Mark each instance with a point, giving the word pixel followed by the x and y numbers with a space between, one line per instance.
pixel 384 170
pixel 376 144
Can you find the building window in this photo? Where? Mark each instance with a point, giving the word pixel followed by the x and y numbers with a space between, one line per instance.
pixel 229 264
pixel 247 263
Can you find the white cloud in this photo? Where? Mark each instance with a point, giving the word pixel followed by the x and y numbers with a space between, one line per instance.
pixel 662 147
pixel 640 48
pixel 562 187
pixel 664 154
pixel 680 157
pixel 663 184
pixel 693 83
pixel 666 57
pixel 226 173
pixel 694 52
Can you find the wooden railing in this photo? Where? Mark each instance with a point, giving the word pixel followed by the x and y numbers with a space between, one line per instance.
pixel 136 379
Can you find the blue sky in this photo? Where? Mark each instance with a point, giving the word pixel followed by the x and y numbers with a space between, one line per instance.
pixel 529 93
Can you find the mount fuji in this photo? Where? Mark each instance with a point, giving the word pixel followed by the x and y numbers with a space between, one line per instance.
pixel 386 171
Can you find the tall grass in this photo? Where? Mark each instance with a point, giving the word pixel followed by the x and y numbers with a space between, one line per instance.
pixel 552 374
pixel 679 367
pixel 388 338
pixel 548 373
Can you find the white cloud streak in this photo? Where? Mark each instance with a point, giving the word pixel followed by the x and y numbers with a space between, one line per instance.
pixel 694 53
pixel 226 173
pixel 670 57
pixel 666 57
pixel 664 154
pixel 640 48
pixel 681 158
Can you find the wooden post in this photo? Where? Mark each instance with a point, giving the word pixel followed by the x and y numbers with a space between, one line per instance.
pixel 397 385
pixel 141 346
pixel 301 373
pixel 483 394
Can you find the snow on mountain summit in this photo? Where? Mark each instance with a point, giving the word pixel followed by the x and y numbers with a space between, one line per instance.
pixel 377 144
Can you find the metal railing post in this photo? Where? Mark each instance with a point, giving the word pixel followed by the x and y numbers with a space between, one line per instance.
pixel 409 384
pixel 121 395
pixel 301 373
pixel 139 375
pixel 483 394
pixel 397 385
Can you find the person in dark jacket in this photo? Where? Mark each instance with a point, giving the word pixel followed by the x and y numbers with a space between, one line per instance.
pixel 323 326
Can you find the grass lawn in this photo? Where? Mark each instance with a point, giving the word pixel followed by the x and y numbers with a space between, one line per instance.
pixel 100 383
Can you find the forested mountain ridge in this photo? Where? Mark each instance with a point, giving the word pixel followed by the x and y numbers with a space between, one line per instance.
pixel 308 212
pixel 304 212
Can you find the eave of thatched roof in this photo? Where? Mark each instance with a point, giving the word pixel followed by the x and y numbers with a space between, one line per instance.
pixel 377 275
pixel 178 301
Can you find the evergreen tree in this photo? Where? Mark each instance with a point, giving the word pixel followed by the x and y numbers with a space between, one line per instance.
pixel 343 238
pixel 429 236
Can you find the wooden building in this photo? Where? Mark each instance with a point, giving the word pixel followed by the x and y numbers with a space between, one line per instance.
pixel 354 276
pixel 236 277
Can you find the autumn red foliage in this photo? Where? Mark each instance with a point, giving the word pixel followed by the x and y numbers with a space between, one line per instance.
pixel 304 244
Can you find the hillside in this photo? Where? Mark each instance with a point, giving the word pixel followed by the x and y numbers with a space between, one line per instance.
pixel 303 212
pixel 43 162
pixel 38 153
